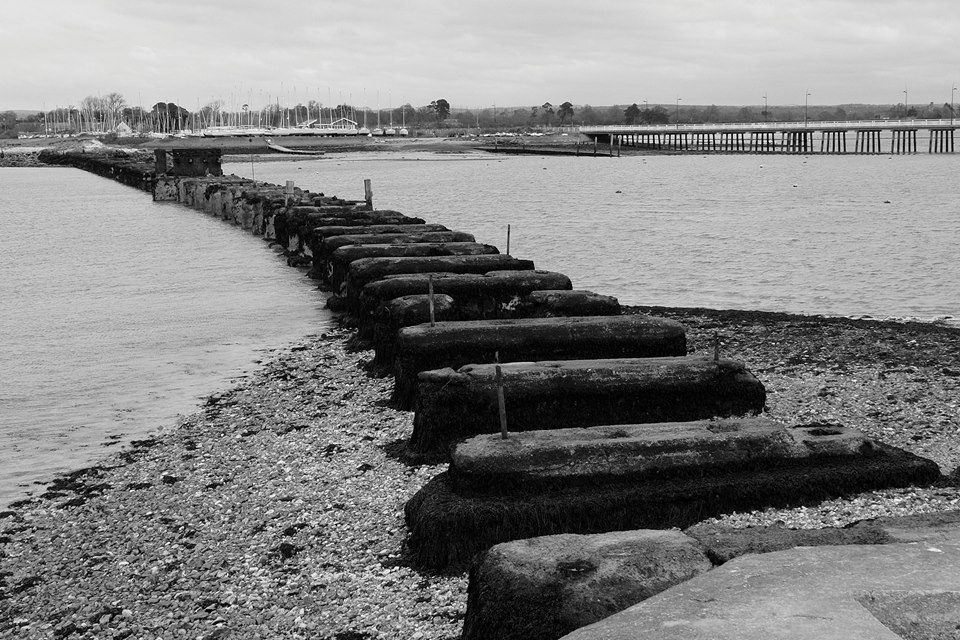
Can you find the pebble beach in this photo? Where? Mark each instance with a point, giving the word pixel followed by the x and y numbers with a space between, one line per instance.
pixel 275 511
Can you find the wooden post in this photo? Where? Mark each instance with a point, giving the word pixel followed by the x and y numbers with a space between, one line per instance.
pixel 288 193
pixel 508 239
pixel 501 403
pixel 430 298
pixel 368 194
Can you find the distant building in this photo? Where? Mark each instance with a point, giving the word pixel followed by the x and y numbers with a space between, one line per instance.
pixel 343 123
pixel 123 129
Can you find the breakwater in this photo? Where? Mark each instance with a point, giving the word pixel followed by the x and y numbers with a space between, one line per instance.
pixel 468 293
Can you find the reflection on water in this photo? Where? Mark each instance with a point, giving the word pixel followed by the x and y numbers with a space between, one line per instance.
pixel 839 235
pixel 118 313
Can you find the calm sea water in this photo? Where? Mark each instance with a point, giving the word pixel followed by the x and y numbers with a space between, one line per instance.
pixel 118 313
pixel 838 235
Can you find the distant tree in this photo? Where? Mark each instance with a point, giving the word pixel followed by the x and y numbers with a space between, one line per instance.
pixel 533 114
pixel 211 112
pixel 441 109
pixel 547 112
pixel 631 114
pixel 746 114
pixel 113 104
pixel 588 115
pixel 8 124
pixel 169 116
pixel 656 115
pixel 406 113
pixel 565 111
pixel 712 114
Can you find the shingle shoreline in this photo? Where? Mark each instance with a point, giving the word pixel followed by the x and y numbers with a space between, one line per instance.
pixel 275 510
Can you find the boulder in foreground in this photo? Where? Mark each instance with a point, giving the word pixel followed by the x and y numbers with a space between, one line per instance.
pixel 542 588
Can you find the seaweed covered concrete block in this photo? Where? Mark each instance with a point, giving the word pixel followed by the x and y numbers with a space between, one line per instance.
pixel 389 318
pixel 452 405
pixel 543 588
pixel 367 270
pixel 565 457
pixel 455 344
pixel 319 234
pixel 457 515
pixel 553 304
pixel 401 312
pixel 489 295
pixel 323 250
pixel 342 258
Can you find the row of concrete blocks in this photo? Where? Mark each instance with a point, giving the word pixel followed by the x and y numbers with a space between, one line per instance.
pixel 253 206
pixel 629 441
pixel 624 442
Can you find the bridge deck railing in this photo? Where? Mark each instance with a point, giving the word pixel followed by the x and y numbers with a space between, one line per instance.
pixel 819 125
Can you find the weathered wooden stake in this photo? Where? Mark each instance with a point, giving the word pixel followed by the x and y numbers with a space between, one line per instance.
pixel 288 192
pixel 501 403
pixel 508 239
pixel 430 298
pixel 368 194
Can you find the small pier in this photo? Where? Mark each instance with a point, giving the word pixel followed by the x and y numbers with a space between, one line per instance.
pixel 898 137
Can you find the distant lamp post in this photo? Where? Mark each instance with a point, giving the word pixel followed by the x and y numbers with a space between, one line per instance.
pixel 806 105
pixel 678 112
pixel 906 103
pixel 952 92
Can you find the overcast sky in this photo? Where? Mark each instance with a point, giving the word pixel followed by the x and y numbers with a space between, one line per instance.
pixel 479 53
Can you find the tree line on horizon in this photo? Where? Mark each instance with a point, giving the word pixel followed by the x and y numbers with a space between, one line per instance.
pixel 106 113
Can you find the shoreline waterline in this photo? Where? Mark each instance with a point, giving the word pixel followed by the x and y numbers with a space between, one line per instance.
pixel 133 318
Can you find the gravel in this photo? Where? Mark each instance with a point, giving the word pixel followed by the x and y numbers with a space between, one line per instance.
pixel 276 510
pixel 897 382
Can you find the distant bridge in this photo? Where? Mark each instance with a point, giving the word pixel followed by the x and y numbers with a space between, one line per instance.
pixel 869 136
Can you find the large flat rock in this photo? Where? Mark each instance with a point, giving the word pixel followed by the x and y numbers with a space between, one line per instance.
pixel 873 592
